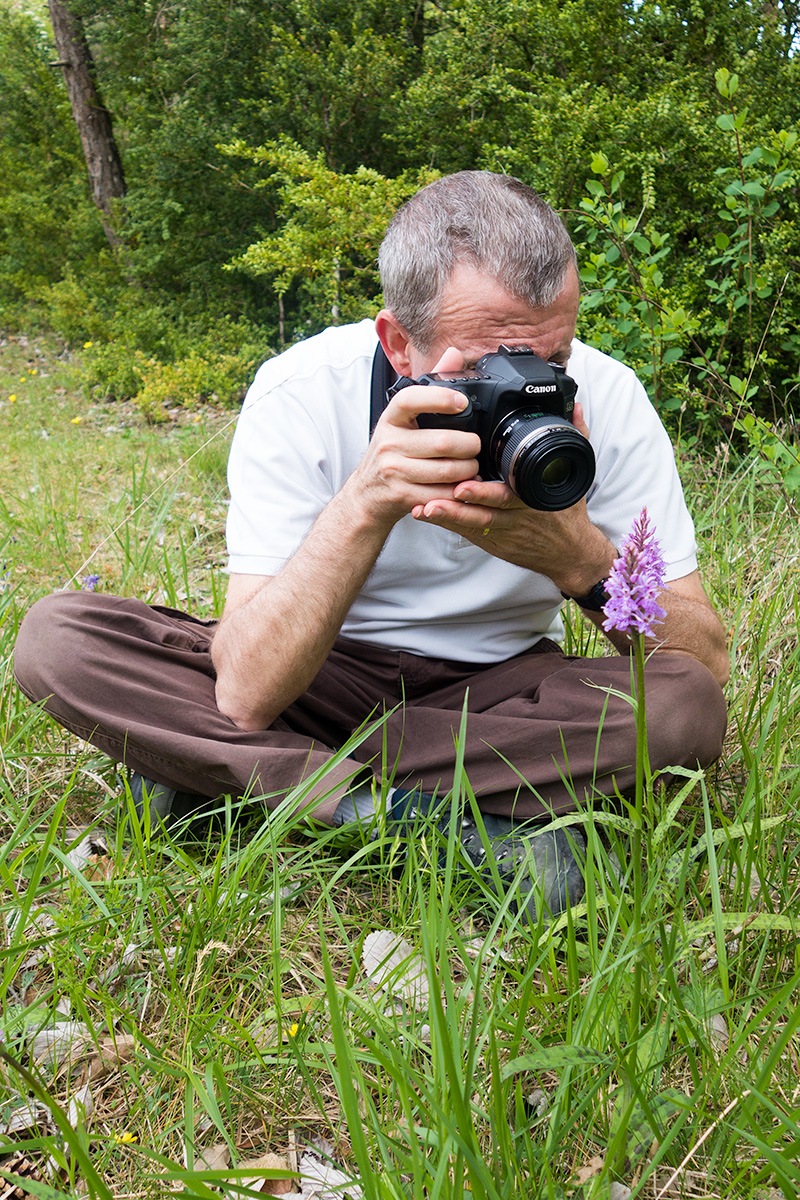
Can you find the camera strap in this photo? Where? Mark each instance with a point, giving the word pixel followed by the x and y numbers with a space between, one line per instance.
pixel 383 376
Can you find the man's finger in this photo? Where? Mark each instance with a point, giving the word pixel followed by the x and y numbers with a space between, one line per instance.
pixel 492 493
pixel 406 406
pixel 452 361
pixel 579 421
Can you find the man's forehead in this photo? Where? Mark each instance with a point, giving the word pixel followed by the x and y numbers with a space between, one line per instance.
pixel 477 313
pixel 550 338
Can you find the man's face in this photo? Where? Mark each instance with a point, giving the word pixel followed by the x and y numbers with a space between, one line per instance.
pixel 477 315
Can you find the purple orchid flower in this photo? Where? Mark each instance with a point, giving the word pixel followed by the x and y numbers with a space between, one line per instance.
pixel 636 579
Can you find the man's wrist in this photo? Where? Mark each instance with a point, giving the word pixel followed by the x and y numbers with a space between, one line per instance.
pixel 594 599
pixel 585 573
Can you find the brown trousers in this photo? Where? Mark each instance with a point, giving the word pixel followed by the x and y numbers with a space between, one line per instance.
pixel 544 731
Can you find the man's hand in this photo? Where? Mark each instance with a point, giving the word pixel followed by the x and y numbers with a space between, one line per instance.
pixel 405 466
pixel 574 554
pixel 276 632
pixel 562 545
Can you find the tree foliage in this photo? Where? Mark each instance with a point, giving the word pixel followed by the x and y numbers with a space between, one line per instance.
pixel 331 226
pixel 665 133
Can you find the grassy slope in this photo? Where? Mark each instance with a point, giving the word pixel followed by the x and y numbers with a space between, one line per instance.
pixel 239 1016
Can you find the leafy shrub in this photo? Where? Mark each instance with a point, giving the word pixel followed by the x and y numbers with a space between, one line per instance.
pixel 80 307
pixel 114 370
pixel 713 330
pixel 710 337
pixel 191 381
pixel 331 229
pixel 161 365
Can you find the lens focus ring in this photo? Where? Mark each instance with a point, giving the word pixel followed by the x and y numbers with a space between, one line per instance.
pixel 544 460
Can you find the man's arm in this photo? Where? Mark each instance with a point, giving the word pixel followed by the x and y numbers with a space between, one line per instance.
pixel 691 626
pixel 572 552
pixel 277 631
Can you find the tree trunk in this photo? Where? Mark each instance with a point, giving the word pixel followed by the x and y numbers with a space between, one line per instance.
pixel 92 119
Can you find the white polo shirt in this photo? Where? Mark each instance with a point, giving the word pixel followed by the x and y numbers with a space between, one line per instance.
pixel 303 429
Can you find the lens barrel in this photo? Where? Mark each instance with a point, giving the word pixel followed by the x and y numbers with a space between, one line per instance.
pixel 543 459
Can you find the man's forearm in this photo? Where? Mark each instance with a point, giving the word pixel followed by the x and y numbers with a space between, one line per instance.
pixel 270 648
pixel 271 643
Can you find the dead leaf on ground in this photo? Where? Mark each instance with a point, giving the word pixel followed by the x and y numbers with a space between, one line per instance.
pixel 267 1187
pixel 65 1039
pixel 718 1033
pixel 539 1102
pixel 123 965
pixel 592 1168
pixel 395 967
pixel 320 1181
pixel 26 1116
pixel 87 849
pixel 479 945
pixel 111 1053
pixel 81 1106
pixel 214 1158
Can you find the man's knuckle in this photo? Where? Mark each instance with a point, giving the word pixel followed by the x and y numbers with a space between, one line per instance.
pixel 440 443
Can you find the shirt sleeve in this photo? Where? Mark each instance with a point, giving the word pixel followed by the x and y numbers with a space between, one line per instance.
pixel 303 429
pixel 636 466
pixel 277 476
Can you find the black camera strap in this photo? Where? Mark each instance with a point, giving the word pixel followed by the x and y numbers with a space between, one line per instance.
pixel 383 376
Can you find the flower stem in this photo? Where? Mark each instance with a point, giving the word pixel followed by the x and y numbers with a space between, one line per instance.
pixel 642 794
pixel 642 806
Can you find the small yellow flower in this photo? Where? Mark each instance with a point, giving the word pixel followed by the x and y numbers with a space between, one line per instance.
pixel 32 371
pixel 126 1138
pixel 76 420
pixel 12 399
pixel 294 1029
pixel 24 379
pixel 88 345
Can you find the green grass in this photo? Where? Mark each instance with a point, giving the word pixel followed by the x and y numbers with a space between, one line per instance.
pixel 223 980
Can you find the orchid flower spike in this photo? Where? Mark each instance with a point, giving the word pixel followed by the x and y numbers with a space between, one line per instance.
pixel 636 579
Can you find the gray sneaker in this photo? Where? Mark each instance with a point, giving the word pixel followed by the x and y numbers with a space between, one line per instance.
pixel 167 806
pixel 553 878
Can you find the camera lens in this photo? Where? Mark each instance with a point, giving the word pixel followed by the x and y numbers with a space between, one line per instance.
pixel 556 473
pixel 543 459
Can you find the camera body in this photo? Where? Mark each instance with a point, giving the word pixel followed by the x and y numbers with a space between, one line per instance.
pixel 520 406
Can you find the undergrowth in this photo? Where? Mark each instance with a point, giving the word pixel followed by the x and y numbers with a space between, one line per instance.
pixel 167 997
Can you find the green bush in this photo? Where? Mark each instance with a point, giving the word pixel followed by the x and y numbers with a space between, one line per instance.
pixel 713 330
pixel 161 365
pixel 191 381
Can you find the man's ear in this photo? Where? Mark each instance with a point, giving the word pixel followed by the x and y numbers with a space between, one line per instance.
pixel 395 341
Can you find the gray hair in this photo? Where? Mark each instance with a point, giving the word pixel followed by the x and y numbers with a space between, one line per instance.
pixel 494 223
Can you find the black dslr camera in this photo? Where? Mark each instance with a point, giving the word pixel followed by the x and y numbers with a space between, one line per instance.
pixel 520 406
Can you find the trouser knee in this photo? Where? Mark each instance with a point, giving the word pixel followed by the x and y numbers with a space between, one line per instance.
pixel 686 716
pixel 46 645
